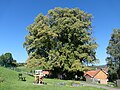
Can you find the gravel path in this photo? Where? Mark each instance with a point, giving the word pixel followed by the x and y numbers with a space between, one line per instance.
pixel 98 86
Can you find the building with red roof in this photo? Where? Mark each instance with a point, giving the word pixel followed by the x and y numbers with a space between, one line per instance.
pixel 97 76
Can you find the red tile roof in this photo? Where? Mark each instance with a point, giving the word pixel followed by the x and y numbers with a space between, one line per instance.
pixel 91 73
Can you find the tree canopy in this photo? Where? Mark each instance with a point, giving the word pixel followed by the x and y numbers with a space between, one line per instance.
pixel 113 59
pixel 7 60
pixel 61 40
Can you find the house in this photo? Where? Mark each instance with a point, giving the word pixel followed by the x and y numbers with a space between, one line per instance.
pixel 96 76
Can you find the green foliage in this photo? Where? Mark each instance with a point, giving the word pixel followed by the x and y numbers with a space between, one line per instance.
pixel 113 50
pixel 7 60
pixel 61 40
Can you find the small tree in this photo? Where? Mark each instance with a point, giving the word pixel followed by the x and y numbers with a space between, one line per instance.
pixel 113 50
pixel 2 60
pixel 7 60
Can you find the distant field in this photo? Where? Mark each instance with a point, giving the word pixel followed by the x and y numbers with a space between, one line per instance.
pixel 11 82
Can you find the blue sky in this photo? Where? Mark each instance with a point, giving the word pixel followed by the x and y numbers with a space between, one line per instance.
pixel 16 15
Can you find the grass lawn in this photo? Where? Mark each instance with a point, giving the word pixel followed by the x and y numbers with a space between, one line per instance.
pixel 11 82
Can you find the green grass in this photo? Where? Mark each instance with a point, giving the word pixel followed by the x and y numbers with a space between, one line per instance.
pixel 23 68
pixel 11 82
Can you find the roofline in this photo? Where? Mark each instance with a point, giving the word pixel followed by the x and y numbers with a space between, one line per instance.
pixel 99 71
pixel 96 73
pixel 88 75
